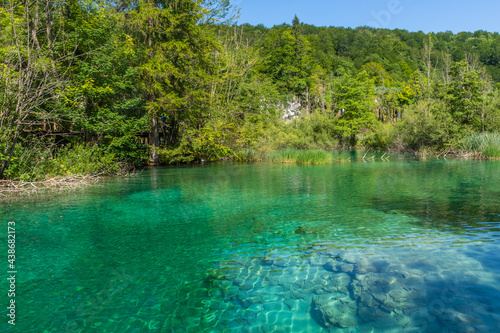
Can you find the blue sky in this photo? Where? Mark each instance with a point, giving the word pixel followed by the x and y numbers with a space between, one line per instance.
pixel 412 15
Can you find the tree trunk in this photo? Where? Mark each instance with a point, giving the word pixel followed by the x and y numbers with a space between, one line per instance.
pixel 154 137
pixel 352 140
pixel 482 113
pixel 307 100
pixel 154 142
pixel 426 57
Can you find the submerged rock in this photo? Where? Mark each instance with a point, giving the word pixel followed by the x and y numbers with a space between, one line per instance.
pixel 329 311
pixel 366 300
pixel 371 314
pixel 353 291
pixel 336 266
pixel 301 230
pixel 317 261
pixel 347 268
pixel 331 266
pixel 298 294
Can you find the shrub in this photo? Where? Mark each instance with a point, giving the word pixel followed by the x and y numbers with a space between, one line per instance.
pixel 247 155
pixel 82 159
pixel 46 160
pixel 382 137
pixel 427 125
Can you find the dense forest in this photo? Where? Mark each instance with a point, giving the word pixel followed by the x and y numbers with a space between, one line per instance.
pixel 97 87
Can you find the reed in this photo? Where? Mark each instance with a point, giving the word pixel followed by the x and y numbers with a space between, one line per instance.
pixel 487 144
pixel 290 155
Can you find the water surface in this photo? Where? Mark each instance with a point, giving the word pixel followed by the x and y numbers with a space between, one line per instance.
pixel 393 246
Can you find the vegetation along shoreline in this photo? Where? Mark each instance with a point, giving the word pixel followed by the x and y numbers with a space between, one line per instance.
pixel 100 90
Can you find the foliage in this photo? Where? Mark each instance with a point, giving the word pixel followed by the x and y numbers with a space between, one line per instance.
pixel 247 155
pixel 46 160
pixel 425 125
pixel 207 144
pixel 492 114
pixel 381 138
pixel 112 86
pixel 219 11
pixel 174 65
pixel 487 144
pixel 83 159
pixel 286 58
pixel 354 100
pixel 317 131
pixel 464 94
pixel 290 155
pixel 29 77
pixel 310 156
pixel 212 142
pixel 378 74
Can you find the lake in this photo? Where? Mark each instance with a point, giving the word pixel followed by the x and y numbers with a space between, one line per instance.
pixel 378 246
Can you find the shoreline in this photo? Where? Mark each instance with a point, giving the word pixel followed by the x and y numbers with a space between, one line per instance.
pixel 11 188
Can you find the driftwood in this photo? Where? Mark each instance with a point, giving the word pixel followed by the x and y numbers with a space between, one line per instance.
pixel 9 187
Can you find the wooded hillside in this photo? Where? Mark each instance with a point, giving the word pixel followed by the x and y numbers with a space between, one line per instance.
pixel 97 87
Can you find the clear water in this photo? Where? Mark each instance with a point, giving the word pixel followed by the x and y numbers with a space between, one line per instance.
pixel 398 246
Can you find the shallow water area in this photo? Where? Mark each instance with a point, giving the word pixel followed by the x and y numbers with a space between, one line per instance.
pixel 366 246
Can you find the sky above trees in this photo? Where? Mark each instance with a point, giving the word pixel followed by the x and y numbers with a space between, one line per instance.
pixel 412 15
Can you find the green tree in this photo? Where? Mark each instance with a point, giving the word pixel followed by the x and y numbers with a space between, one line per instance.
pixel 377 72
pixel 103 98
pixel 287 58
pixel 464 95
pixel 30 76
pixel 354 101
pixel 219 12
pixel 176 53
pixel 234 65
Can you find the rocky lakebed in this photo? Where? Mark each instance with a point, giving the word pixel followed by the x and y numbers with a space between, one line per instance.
pixel 324 289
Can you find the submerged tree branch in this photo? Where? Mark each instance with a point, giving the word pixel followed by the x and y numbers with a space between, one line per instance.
pixel 12 187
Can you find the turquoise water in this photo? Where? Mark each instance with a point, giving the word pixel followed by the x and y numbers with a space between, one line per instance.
pixel 393 246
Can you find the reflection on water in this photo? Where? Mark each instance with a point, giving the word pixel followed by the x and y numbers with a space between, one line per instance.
pixel 397 246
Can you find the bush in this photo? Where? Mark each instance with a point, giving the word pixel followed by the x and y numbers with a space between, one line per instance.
pixel 249 155
pixel 128 149
pixel 312 132
pixel 492 114
pixel 381 138
pixel 426 126
pixel 82 159
pixel 28 155
pixel 34 161
pixel 210 143
pixel 320 129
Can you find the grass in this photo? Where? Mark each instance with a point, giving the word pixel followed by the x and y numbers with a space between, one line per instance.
pixel 247 155
pixel 290 155
pixel 487 144
pixel 491 150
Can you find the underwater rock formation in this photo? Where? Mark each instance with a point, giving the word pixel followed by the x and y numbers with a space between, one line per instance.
pixel 334 291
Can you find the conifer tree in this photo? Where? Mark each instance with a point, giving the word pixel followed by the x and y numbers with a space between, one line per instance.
pixel 175 63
